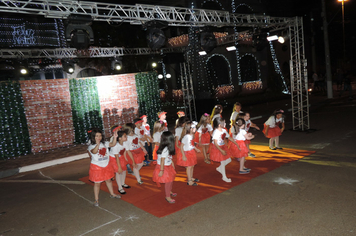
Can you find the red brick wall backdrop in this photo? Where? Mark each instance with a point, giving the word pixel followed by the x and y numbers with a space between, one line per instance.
pixel 48 113
pixel 118 100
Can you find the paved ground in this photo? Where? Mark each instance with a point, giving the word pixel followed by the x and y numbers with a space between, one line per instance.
pixel 322 202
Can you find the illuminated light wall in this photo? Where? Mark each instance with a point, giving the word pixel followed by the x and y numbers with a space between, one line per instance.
pixel 118 100
pixel 27 32
pixel 48 113
pixel 14 134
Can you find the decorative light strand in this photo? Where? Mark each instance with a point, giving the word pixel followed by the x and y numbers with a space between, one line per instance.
pixel 277 68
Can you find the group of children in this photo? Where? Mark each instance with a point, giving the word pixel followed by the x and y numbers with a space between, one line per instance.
pixel 133 145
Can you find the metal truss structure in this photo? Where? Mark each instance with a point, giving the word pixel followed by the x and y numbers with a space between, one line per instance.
pixel 94 52
pixel 174 16
pixel 188 91
pixel 139 14
pixel 298 77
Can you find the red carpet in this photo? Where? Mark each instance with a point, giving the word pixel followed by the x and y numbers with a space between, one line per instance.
pixel 151 198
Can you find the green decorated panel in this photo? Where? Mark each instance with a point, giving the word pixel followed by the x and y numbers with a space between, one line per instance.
pixel 14 135
pixel 85 107
pixel 148 95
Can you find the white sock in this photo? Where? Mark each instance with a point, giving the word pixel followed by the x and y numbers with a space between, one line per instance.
pixel 276 139
pixel 137 172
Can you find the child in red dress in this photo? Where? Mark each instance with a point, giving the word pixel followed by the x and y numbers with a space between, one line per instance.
pixel 218 150
pixel 164 171
pixel 188 159
pixel 248 125
pixel 272 130
pixel 100 170
pixel 149 140
pixel 157 132
pixel 240 151
pixel 162 117
pixel 135 149
pixel 203 135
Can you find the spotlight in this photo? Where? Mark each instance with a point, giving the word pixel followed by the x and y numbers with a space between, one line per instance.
pixel 272 38
pixel 160 76
pixel 78 31
pixel 154 64
pixel 231 48
pixel 155 35
pixel 116 64
pixel 168 76
pixel 23 70
pixel 207 41
pixel 68 66
pixel 202 53
pixel 282 39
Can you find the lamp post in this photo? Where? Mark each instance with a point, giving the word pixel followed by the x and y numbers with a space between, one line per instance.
pixel 343 24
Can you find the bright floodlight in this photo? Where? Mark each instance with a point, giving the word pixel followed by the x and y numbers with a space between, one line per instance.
pixel 281 39
pixel 202 53
pixel 231 48
pixel 168 76
pixel 118 67
pixel 272 38
pixel 71 70
pixel 160 76
pixel 23 71
pixel 154 64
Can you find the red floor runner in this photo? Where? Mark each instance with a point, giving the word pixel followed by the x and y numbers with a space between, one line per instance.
pixel 150 198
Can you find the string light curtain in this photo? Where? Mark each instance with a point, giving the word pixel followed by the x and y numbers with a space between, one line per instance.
pixel 85 107
pixel 148 96
pixel 14 135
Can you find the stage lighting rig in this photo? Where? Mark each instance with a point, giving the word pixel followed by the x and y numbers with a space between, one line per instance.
pixel 68 66
pixel 78 31
pixel 155 35
pixel 116 63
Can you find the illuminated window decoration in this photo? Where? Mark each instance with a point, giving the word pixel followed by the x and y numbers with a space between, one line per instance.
pixel 162 95
pixel 277 68
pixel 183 40
pixel 224 91
pixel 19 32
pixel 85 105
pixel 219 75
pixel 249 68
pixel 253 85
pixel 211 68
pixel 15 139
pixel 177 95
pixel 148 95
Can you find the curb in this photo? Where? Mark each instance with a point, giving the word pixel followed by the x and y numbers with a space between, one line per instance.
pixel 11 172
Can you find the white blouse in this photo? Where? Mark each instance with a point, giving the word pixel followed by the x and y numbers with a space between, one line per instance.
pixel 166 156
pixel 101 158
pixel 220 136
pixel 187 141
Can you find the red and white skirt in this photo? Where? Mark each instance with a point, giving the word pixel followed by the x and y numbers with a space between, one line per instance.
pixel 178 154
pixel 205 138
pixel 123 163
pixel 216 155
pixel 235 152
pixel 169 174
pixel 99 174
pixel 272 132
pixel 154 154
pixel 191 159
pixel 138 155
